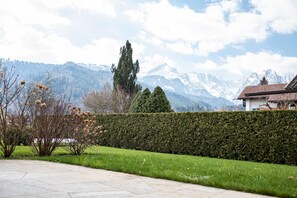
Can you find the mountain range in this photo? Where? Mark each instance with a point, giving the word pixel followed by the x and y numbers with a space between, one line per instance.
pixel 186 92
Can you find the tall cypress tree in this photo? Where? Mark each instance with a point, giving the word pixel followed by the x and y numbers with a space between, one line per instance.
pixel 124 77
pixel 158 102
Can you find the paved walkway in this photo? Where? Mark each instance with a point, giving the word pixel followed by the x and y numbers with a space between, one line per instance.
pixel 24 178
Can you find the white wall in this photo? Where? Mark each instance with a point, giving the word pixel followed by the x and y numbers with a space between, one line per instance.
pixel 256 104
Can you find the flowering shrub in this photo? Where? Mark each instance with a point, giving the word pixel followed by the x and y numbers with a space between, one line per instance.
pixel 53 122
pixel 82 130
pixel 47 121
pixel 31 114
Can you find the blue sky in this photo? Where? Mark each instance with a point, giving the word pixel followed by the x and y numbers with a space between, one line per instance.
pixel 230 39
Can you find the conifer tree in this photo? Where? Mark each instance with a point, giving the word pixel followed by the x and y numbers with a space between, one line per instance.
pixel 134 104
pixel 142 102
pixel 263 81
pixel 125 73
pixel 124 78
pixel 158 102
pixel 138 104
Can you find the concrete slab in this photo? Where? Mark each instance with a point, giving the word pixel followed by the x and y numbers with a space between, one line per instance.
pixel 27 178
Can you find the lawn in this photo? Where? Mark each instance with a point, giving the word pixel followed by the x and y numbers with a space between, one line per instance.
pixel 260 178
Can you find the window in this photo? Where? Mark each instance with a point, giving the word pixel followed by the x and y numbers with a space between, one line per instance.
pixel 292 106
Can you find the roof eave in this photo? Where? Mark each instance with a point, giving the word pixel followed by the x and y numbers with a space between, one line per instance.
pixel 272 92
pixel 292 84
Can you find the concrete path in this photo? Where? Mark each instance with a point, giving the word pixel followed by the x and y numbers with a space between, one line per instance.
pixel 24 178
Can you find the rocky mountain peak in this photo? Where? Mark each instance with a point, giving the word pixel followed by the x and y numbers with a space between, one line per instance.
pixel 183 89
pixel 164 70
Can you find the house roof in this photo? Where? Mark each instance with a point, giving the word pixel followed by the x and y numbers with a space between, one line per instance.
pixel 272 93
pixel 283 97
pixel 292 84
pixel 260 91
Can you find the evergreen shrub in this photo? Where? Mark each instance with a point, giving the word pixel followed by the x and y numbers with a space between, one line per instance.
pixel 261 136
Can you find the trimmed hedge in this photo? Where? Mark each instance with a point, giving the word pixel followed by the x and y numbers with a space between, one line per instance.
pixel 261 136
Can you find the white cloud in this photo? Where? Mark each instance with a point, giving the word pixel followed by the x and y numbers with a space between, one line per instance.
pixel 47 13
pixel 219 25
pixel 260 61
pixel 138 50
pixel 250 62
pixel 180 47
pixel 282 15
pixel 207 66
pixel 103 7
pixel 26 43
pixel 101 51
pixel 29 30
pixel 55 49
pixel 150 39
pixel 36 30
pixel 26 13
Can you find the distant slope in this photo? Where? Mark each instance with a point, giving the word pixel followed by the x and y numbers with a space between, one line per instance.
pixel 71 79
pixel 184 91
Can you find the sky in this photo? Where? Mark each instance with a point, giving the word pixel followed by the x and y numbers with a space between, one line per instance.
pixel 229 39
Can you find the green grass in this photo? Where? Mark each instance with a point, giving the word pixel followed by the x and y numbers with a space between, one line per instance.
pixel 260 178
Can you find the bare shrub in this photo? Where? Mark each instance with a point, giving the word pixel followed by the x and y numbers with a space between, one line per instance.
pixel 107 101
pixel 12 121
pixel 120 101
pixel 99 102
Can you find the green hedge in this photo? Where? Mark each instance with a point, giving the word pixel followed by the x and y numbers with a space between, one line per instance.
pixel 262 136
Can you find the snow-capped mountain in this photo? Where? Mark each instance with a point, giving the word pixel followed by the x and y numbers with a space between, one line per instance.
pixel 192 86
pixel 184 91
pixel 208 85
pixel 271 76
pixel 215 86
pixel 95 67
pixel 164 70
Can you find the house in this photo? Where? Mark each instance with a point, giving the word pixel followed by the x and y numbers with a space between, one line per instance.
pixel 274 96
